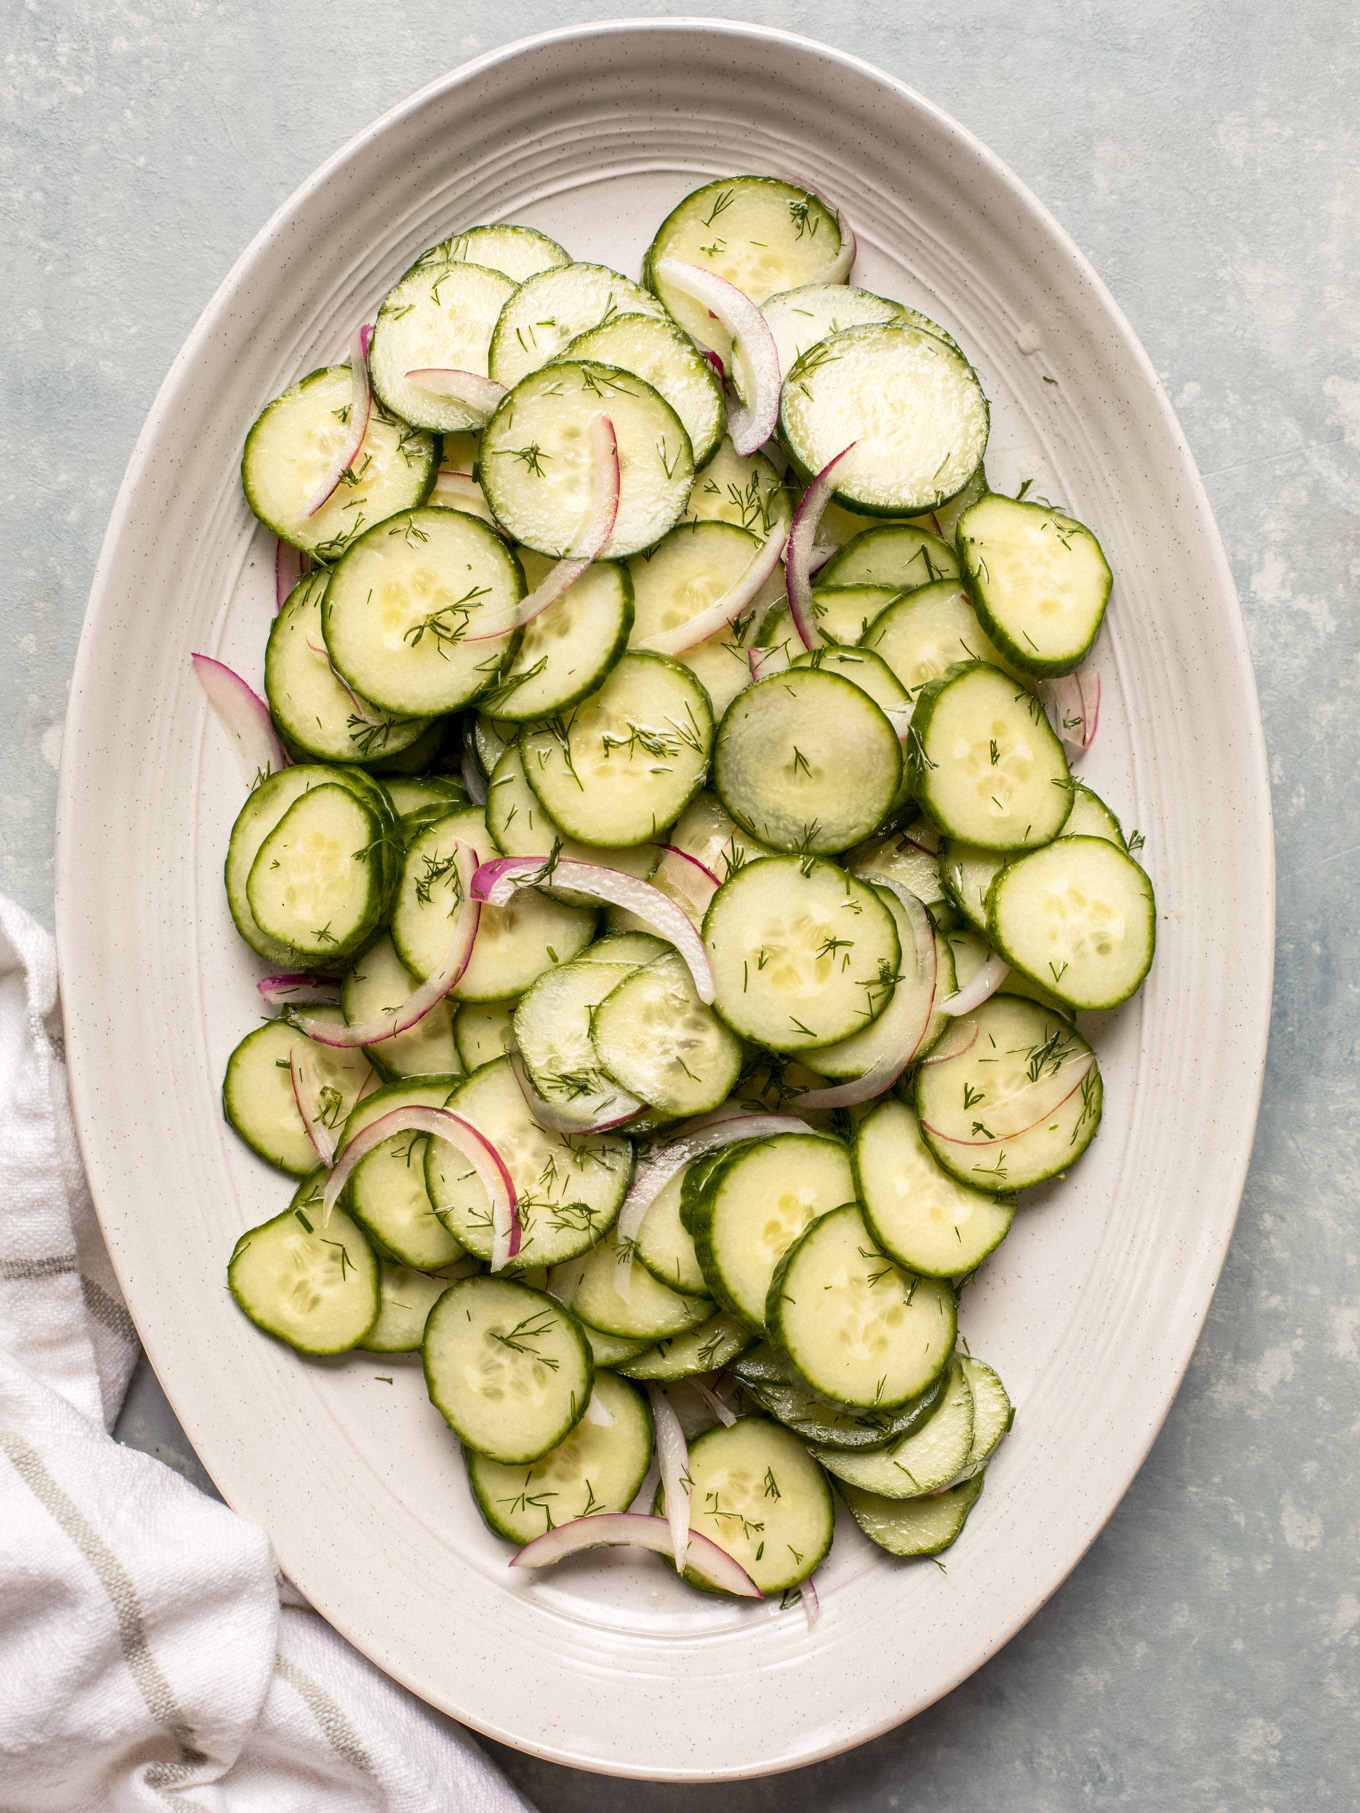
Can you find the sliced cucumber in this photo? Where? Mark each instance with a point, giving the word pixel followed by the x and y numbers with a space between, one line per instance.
pixel 410 793
pixel 656 350
pixel 924 632
pixel 318 885
pixel 315 1287
pixel 655 1037
pixel 1091 817
pixel 914 1526
pixel 257 1090
pixel 857 1330
pixel 439 316
pixel 921 1217
pixel 707 831
pixel 625 763
pixel 802 318
pixel 566 651
pixel 741 489
pixel 386 1193
pixel 707 1348
pixel 520 252
pixel 1039 579
pixel 993 1414
pixel 520 827
pixel 897 554
pixel 613 1350
pixel 912 1007
pixel 862 668
pixel 507 1368
pixel 405 1298
pixel 966 873
pixel 807 761
pixel 553 307
pixel 1079 917
pixel 776 1387
pixel 552 1031
pixel 970 953
pixel 490 737
pixel 632 948
pixel 923 1461
pixel 599 1467
pixel 898 857
pixel 483 1031
pixel 803 954
pixel 378 984
pixel 625 1299
pixel 844 613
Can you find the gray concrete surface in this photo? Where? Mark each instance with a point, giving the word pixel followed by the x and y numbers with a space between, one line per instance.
pixel 1202 1659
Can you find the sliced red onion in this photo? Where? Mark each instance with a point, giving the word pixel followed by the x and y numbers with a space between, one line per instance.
pixel 495 883
pixel 812 1605
pixel 1044 1093
pixel 293 990
pixel 290 564
pixel 456 489
pixel 630 1529
pixel 478 395
pixel 1073 703
pixel 715 360
pixel 924 836
pixel 752 423
pixel 797 556
pixel 591 543
pixel 673 1459
pixel 609 1108
pixel 599 1413
pixel 982 987
pixel 961 1037
pixel 244 716
pixel 767 661
pixel 360 409
pixel 365 712
pixel 686 876
pixel 820 553
pixel 473 779
pixel 661 1166
pixel 308 1100
pixel 724 1415
pixel 733 602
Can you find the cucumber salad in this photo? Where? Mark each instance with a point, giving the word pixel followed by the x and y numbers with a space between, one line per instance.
pixel 677 899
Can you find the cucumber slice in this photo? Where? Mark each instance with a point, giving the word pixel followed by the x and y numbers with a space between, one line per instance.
pixel 1091 817
pixel 664 1242
pixel 632 948
pixel 613 1350
pixel 971 952
pixel 857 1330
pixel 806 761
pixel 386 1193
pixel 1079 918
pixel 291 446
pixel 755 1492
pixel 441 315
pixel 520 827
pixel 315 1287
pixel 993 1414
pixel 409 793
pixel 490 738
pixel 741 489
pixel 984 763
pixel 802 318
pixel 923 633
pixel 707 831
pixel 483 1032
pixel 553 307
pixel 914 1526
pixel 707 1348
pixel 844 613
pixel 898 857
pixel 656 350
pixel 507 1368
pixel 1020 1105
pixel 570 1187
pixel 966 873
pixel 317 886
pixel 625 763
pixel 552 1031
pixel 648 1311
pixel 1039 579
pixel 378 984
pixel 405 1299
pixel 921 1462
pixel 913 1003
pixel 862 668
pixel 749 1213
pixel 898 554
pixel 803 954
pixel 599 1467
pixel 655 1037
pixel 520 252
pixel 910 408
pixel 257 1091
pixel 402 601
pixel 922 1218
pixel 566 651
pixel 774 1385
pixel 536 458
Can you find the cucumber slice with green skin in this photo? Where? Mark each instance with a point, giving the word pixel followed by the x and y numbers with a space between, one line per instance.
pixel 844 613
pixel 897 858
pixel 507 1368
pixel 923 1461
pixel 923 633
pixel 402 602
pixel 707 1348
pixel 566 651
pixel 803 954
pixel 632 948
pixel 777 1389
pixel 411 793
pixel 862 668
pixel 1039 579
pixel 914 1526
pixel 292 445
pixel 656 1038
pixel 427 749
pixel 752 1211
pixel 405 1299
pixel 613 1350
pixel 520 252
pixel 922 1218
pixel 917 994
pixel 807 761
pixel 491 737
pixel 656 350
pixel 909 407
pixel 314 1287
pixel 520 827
pixel 970 952
pixel 801 319
pixel 993 1415
pixel 966 873
pixel 257 1091
pixel 1091 817
pixel 537 464
pixel 625 763
pixel 552 1031
pixel 599 1467
pixel 898 554
pixel 440 315
pixel 856 1329
pixel 314 712
pixel 483 1032
pixel 552 308
pixel 741 489
pixel 696 1179
pixel 755 1492
pixel 317 885
pixel 386 1193
pixel 1020 1105
pixel 649 1311
pixel 1079 918
pixel 687 571
pixel 378 984
pixel 570 1186
pixel 984 763
pixel 707 831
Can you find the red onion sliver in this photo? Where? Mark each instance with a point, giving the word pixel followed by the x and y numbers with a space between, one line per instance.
pixel 495 882
pixel 478 395
pixel 592 542
pixel 982 987
pixel 1051 1102
pixel 288 571
pixel 961 1037
pixel 244 716
pixel 366 713
pixel 661 1166
pixel 308 1101
pixel 1073 703
pixel 767 661
pixel 293 989
pixel 715 360
pixel 732 603
pixel 360 408
pixel 629 1529
pixel 751 424
pixel 599 1413
pixel 714 1402
pixel 686 876
pixel 812 1605
pixel 613 1107
pixel 798 554
pixel 672 1456
pixel 924 836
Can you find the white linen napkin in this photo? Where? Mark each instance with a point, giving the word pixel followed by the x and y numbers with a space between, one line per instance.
pixel 145 1659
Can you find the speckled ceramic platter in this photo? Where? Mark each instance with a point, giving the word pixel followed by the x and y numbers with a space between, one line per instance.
pixel 1091 1308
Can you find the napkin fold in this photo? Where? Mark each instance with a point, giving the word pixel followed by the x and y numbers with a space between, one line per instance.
pixel 146 1660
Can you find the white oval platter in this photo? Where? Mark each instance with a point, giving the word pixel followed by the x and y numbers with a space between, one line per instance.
pixel 1091 1308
